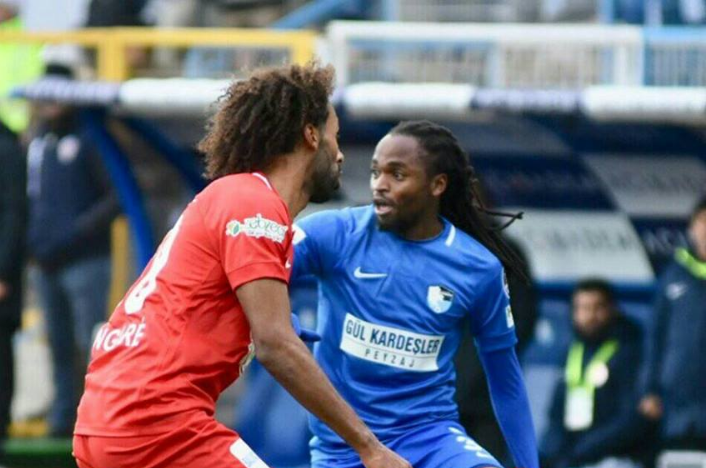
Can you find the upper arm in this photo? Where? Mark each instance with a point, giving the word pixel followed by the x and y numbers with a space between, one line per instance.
pixel 491 316
pixel 318 240
pixel 253 239
pixel 265 303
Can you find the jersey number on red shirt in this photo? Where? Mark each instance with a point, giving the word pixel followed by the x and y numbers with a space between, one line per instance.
pixel 139 294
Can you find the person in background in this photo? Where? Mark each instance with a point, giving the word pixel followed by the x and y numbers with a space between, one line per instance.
pixel 19 64
pixel 13 207
pixel 71 208
pixel 675 377
pixel 121 13
pixel 593 413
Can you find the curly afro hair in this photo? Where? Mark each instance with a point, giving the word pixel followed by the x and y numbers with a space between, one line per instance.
pixel 264 117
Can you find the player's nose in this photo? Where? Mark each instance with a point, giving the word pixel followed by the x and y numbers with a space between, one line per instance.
pixel 379 184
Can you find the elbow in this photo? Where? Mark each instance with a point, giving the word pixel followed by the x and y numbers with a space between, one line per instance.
pixel 269 347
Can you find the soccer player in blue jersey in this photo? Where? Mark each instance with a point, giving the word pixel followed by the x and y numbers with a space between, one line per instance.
pixel 396 279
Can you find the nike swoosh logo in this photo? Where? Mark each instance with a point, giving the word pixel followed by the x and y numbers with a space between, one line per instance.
pixel 362 275
pixel 287 265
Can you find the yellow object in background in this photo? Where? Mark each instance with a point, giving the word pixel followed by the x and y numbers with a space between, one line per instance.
pixel 20 63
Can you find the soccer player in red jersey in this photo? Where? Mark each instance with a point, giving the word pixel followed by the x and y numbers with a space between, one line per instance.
pixel 215 293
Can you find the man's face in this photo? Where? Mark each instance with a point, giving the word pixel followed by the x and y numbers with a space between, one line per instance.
pixel 326 178
pixel 50 112
pixel 401 189
pixel 592 313
pixel 6 12
pixel 697 233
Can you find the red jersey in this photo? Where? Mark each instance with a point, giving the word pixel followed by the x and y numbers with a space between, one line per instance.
pixel 180 337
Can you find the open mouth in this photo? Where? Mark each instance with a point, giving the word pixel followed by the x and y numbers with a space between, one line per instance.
pixel 382 207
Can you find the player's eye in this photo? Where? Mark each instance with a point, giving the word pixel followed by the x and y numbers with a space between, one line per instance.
pixel 398 175
pixel 374 173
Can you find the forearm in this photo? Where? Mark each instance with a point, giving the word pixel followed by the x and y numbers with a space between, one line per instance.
pixel 511 405
pixel 292 365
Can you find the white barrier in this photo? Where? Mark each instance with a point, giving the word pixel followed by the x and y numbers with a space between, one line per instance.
pixel 566 56
pixel 181 96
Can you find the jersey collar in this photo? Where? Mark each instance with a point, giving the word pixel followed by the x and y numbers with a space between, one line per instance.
pixel 262 177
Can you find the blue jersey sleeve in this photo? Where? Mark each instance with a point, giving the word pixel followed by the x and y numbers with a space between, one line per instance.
pixel 491 317
pixel 511 405
pixel 318 241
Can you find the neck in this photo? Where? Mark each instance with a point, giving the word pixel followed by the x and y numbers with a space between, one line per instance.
pixel 700 254
pixel 289 176
pixel 425 228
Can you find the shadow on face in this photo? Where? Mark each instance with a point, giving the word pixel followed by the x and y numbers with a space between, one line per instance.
pixel 328 161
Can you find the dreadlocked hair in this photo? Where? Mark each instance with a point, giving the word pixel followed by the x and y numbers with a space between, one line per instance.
pixel 264 116
pixel 460 203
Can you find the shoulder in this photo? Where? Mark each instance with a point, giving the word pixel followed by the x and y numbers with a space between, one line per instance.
pixel 628 331
pixel 673 272
pixel 241 198
pixel 242 192
pixel 480 260
pixel 672 269
pixel 347 220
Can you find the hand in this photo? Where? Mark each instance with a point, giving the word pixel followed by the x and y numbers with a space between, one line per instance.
pixel 303 333
pixel 4 290
pixel 651 407
pixel 382 457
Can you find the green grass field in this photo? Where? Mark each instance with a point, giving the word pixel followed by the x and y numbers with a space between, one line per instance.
pixel 38 453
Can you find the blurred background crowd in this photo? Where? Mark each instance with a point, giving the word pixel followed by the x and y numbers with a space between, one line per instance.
pixel 552 100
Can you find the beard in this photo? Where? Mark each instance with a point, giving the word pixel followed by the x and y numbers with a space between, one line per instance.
pixel 325 179
pixel 598 335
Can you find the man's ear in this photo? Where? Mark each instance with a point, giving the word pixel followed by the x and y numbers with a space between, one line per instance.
pixel 312 138
pixel 438 184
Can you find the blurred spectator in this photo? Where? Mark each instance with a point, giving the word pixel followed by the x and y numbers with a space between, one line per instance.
pixel 113 13
pixel 593 418
pixel 224 62
pixel 71 210
pixel 13 206
pixel 475 409
pixel 19 64
pixel 571 11
pixel 215 13
pixel 676 370
pixel 106 13
pixel 242 13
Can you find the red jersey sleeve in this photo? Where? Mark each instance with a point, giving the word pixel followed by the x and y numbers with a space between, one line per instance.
pixel 254 245
pixel 254 236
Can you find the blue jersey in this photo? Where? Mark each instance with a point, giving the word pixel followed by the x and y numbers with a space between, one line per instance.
pixel 390 313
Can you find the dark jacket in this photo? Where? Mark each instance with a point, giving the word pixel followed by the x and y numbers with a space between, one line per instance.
pixel 71 202
pixel 676 369
pixel 13 214
pixel 617 429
